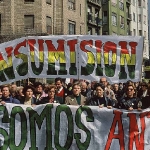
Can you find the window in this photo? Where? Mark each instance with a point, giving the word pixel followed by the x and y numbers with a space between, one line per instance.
pixel 139 17
pixel 105 17
pixel 145 34
pixel 49 25
pixel 71 4
pixel 140 32
pixel 121 22
pixel 121 5
pixel 26 1
pixel 71 27
pixel 144 19
pixel 134 32
pixel 114 19
pixel 133 16
pixel 144 4
pixel 29 21
pixel 139 2
pixel 48 1
pixel 133 2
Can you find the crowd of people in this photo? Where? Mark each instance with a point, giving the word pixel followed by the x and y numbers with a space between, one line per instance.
pixel 129 95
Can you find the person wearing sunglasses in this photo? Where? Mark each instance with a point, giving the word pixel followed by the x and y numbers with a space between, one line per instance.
pixel 129 101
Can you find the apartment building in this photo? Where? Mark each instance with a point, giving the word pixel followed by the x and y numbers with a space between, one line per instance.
pixel 94 17
pixel 42 17
pixel 139 24
pixel 116 17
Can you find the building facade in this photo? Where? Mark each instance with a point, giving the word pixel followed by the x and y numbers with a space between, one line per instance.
pixel 139 23
pixel 42 17
pixel 116 17
pixel 94 17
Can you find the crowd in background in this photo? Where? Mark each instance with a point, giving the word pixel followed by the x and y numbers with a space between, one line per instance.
pixel 129 95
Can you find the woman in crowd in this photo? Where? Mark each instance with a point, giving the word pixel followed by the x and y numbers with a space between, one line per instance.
pixel 99 99
pixel 51 98
pixel 6 96
pixel 129 101
pixel 144 95
pixel 20 95
pixel 28 92
pixel 76 98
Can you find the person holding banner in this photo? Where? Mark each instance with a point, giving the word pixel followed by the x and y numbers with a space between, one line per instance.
pixel 129 101
pixel 99 99
pixel 76 98
pixel 7 97
pixel 52 97
pixel 28 92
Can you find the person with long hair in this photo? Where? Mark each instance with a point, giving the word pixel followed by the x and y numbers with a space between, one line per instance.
pixel 129 101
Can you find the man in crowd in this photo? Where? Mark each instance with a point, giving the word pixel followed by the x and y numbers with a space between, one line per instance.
pixel 107 91
pixel 61 90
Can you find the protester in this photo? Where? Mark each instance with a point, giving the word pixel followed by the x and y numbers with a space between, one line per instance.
pixel 144 95
pixel 20 95
pixel 13 90
pixel 99 99
pixel 51 98
pixel 85 91
pixel 107 91
pixel 28 93
pixel 76 98
pixel 117 91
pixel 61 90
pixel 39 91
pixel 6 96
pixel 130 100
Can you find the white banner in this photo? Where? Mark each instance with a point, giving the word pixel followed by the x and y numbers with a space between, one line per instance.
pixel 62 127
pixel 118 58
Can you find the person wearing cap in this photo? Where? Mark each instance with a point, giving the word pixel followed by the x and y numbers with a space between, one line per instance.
pixel 99 99
pixel 144 96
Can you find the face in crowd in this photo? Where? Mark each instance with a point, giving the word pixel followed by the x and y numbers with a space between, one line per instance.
pixel 99 91
pixel 29 93
pixel 39 89
pixel 51 92
pixel 103 80
pixel 76 89
pixel 58 84
pixel 130 91
pixel 5 91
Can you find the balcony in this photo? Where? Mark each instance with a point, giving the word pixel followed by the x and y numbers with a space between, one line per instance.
pixel 96 21
pixel 128 2
pixel 129 17
pixel 129 32
pixel 95 2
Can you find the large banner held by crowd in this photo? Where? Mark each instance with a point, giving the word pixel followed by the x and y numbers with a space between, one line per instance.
pixel 118 58
pixel 62 127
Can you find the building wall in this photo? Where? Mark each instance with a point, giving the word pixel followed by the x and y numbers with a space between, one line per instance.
pixel 12 16
pixel 142 25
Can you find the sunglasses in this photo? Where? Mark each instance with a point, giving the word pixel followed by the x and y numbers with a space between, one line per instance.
pixel 130 89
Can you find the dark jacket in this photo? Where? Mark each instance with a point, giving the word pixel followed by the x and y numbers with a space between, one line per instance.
pixel 10 100
pixel 33 100
pixel 45 100
pixel 96 101
pixel 127 102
